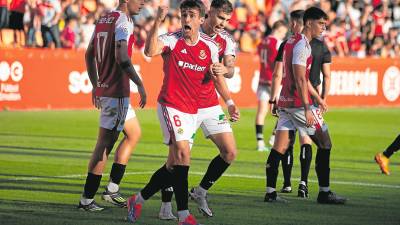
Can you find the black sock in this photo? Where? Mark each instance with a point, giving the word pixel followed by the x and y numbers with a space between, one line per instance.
pixel 287 165
pixel 91 185
pixel 161 179
pixel 322 166
pixel 259 132
pixel 117 172
pixel 215 170
pixel 305 161
pixel 272 167
pixel 394 147
pixel 180 186
pixel 166 194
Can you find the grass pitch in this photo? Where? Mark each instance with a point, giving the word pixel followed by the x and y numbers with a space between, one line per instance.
pixel 44 156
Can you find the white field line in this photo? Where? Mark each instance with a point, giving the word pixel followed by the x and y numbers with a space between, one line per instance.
pixel 257 177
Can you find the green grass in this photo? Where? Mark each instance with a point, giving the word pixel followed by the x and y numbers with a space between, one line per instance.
pixel 44 155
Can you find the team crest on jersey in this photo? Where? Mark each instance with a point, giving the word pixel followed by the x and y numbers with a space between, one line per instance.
pixel 203 55
pixel 180 131
pixel 218 46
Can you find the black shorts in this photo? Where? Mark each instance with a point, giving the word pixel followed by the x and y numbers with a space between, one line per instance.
pixel 4 17
pixel 16 20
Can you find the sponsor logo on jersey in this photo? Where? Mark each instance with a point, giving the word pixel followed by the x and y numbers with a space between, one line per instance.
pixel 202 55
pixel 194 67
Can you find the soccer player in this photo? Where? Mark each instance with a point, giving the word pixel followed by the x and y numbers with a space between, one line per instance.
pixel 295 111
pixel 382 159
pixel 109 67
pixel 267 51
pixel 210 116
pixel 321 63
pixel 132 133
pixel 189 56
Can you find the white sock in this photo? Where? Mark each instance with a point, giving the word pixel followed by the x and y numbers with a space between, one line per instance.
pixel 324 189
pixel 270 190
pixel 112 187
pixel 201 191
pixel 139 199
pixel 183 214
pixel 86 201
pixel 166 206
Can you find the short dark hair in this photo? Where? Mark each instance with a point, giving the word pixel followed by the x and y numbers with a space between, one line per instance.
pixel 190 4
pixel 224 5
pixel 314 13
pixel 297 14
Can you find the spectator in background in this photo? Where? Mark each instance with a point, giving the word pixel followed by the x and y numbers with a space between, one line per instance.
pixel 87 29
pixel 17 11
pixel 34 23
pixel 3 18
pixel 50 16
pixel 68 35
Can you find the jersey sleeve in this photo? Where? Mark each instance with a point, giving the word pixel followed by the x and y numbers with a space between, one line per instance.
pixel 169 40
pixel 327 57
pixel 279 56
pixel 214 52
pixel 123 30
pixel 300 53
pixel 230 47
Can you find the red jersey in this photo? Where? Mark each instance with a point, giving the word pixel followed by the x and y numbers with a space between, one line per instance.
pixel 185 67
pixel 267 50
pixel 226 46
pixel 113 26
pixel 18 6
pixel 379 19
pixel 3 4
pixel 297 51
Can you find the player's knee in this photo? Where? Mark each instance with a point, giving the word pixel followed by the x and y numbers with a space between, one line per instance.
pixel 229 155
pixel 182 156
pixel 134 137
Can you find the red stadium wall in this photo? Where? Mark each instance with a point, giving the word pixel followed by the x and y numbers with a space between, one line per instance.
pixel 57 79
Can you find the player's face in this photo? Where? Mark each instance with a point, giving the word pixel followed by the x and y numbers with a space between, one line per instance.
pixel 191 21
pixel 317 27
pixel 218 19
pixel 134 6
pixel 296 26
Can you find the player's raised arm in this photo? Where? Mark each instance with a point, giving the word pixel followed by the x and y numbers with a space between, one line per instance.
pixel 153 45
pixel 92 69
pixel 229 58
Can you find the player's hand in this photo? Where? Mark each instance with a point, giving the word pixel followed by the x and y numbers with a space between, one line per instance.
pixel 323 106
pixel 143 96
pixel 274 110
pixel 309 118
pixel 234 113
pixel 219 69
pixel 95 99
pixel 162 12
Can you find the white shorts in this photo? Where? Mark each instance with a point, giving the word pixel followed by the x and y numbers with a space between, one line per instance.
pixel 212 120
pixel 176 125
pixel 131 113
pixel 294 118
pixel 263 92
pixel 113 112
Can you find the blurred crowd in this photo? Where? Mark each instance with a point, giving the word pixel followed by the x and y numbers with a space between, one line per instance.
pixel 355 28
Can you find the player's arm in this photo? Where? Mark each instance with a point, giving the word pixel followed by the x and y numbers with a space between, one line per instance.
pixel 326 72
pixel 314 93
pixel 276 79
pixel 222 89
pixel 153 45
pixel 299 63
pixel 124 61
pixel 92 69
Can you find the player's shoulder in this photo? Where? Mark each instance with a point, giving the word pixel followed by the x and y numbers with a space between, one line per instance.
pixel 226 35
pixel 176 34
pixel 208 40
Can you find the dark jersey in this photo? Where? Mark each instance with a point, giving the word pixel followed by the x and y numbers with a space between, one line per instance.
pixel 320 54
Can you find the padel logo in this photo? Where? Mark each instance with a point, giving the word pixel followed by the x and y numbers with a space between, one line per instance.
pixel 391 84
pixel 10 76
pixel 194 67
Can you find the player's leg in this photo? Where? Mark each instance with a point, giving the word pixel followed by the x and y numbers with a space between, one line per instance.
pixel 383 158
pixel 282 140
pixel 287 165
pixel 305 163
pixel 262 110
pixel 132 133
